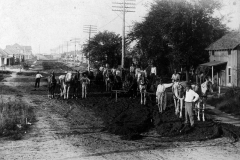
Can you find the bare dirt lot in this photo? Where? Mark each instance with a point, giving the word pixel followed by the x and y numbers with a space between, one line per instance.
pixel 69 129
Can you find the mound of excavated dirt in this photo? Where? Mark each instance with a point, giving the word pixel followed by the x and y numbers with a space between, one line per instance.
pixel 129 118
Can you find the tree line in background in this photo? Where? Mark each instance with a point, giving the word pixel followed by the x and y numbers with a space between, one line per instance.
pixel 174 34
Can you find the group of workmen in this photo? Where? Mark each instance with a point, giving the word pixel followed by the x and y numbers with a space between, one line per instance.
pixel 135 71
pixel 188 96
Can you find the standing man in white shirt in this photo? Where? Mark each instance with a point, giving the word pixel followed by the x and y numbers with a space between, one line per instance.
pixel 175 76
pixel 190 98
pixel 153 70
pixel 37 81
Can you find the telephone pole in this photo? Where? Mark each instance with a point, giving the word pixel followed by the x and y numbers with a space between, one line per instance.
pixel 124 7
pixel 75 40
pixel 89 29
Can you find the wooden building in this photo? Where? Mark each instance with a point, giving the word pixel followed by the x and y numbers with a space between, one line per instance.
pixel 224 55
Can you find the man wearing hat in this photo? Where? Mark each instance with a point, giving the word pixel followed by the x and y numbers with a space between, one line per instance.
pixel 190 98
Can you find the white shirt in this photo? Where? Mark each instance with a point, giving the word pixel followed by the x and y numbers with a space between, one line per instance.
pixel 191 96
pixel 118 72
pixel 39 76
pixel 132 68
pixel 101 68
pixel 114 70
pixel 160 88
pixel 85 80
pixel 154 70
pixel 136 71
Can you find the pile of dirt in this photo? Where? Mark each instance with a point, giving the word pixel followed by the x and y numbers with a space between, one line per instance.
pixel 54 66
pixel 129 119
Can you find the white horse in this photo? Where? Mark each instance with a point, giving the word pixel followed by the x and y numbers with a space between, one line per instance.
pixel 65 81
pixel 203 91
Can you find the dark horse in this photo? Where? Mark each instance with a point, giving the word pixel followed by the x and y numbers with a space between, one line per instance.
pixel 52 82
pixel 76 86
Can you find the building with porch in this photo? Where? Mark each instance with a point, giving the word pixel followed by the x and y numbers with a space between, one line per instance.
pixel 224 55
pixel 3 58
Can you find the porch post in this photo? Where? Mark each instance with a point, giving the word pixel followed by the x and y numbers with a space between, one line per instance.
pixel 217 79
pixel 212 76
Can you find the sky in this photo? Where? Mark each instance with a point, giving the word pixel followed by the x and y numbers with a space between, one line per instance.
pixel 48 24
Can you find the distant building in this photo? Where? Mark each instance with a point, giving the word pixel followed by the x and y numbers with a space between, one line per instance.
pixel 19 53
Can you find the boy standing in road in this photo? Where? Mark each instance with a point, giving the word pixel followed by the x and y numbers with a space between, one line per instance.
pixel 37 81
pixel 85 81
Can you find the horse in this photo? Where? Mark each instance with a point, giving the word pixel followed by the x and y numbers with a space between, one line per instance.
pixel 51 85
pixel 202 90
pixel 76 87
pixel 66 82
pixel 178 90
pixel 61 79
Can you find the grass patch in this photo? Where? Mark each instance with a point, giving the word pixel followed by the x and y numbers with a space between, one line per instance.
pixel 15 119
pixel 229 102
pixel 231 106
pixel 4 74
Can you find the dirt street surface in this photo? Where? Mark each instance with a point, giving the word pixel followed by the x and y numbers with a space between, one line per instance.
pixel 55 135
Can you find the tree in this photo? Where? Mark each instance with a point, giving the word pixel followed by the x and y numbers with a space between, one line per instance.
pixel 104 47
pixel 176 32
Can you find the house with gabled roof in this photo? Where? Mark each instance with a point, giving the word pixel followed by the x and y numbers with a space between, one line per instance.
pixel 23 52
pixel 224 55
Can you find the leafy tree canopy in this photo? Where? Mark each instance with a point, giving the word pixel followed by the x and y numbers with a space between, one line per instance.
pixel 176 32
pixel 104 47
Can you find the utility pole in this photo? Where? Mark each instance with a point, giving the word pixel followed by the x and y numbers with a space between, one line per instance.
pixel 75 40
pixel 89 29
pixel 124 7
pixel 67 48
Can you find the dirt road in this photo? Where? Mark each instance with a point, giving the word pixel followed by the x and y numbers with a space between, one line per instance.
pixel 57 136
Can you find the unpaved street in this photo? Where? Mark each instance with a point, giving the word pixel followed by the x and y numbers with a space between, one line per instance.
pixel 55 135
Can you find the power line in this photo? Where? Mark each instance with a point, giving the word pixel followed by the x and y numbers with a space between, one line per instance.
pixel 124 6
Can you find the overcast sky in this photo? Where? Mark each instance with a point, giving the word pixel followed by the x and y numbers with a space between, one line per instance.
pixel 46 24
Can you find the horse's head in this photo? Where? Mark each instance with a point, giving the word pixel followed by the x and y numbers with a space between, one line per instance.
pixel 210 87
pixel 206 87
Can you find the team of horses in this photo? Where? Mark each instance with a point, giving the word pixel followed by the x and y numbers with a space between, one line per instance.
pixel 143 82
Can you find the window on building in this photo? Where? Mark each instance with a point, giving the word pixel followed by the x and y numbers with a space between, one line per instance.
pixel 213 53
pixel 229 75
pixel 229 52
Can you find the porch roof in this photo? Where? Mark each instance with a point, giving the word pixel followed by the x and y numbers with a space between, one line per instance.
pixel 213 63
